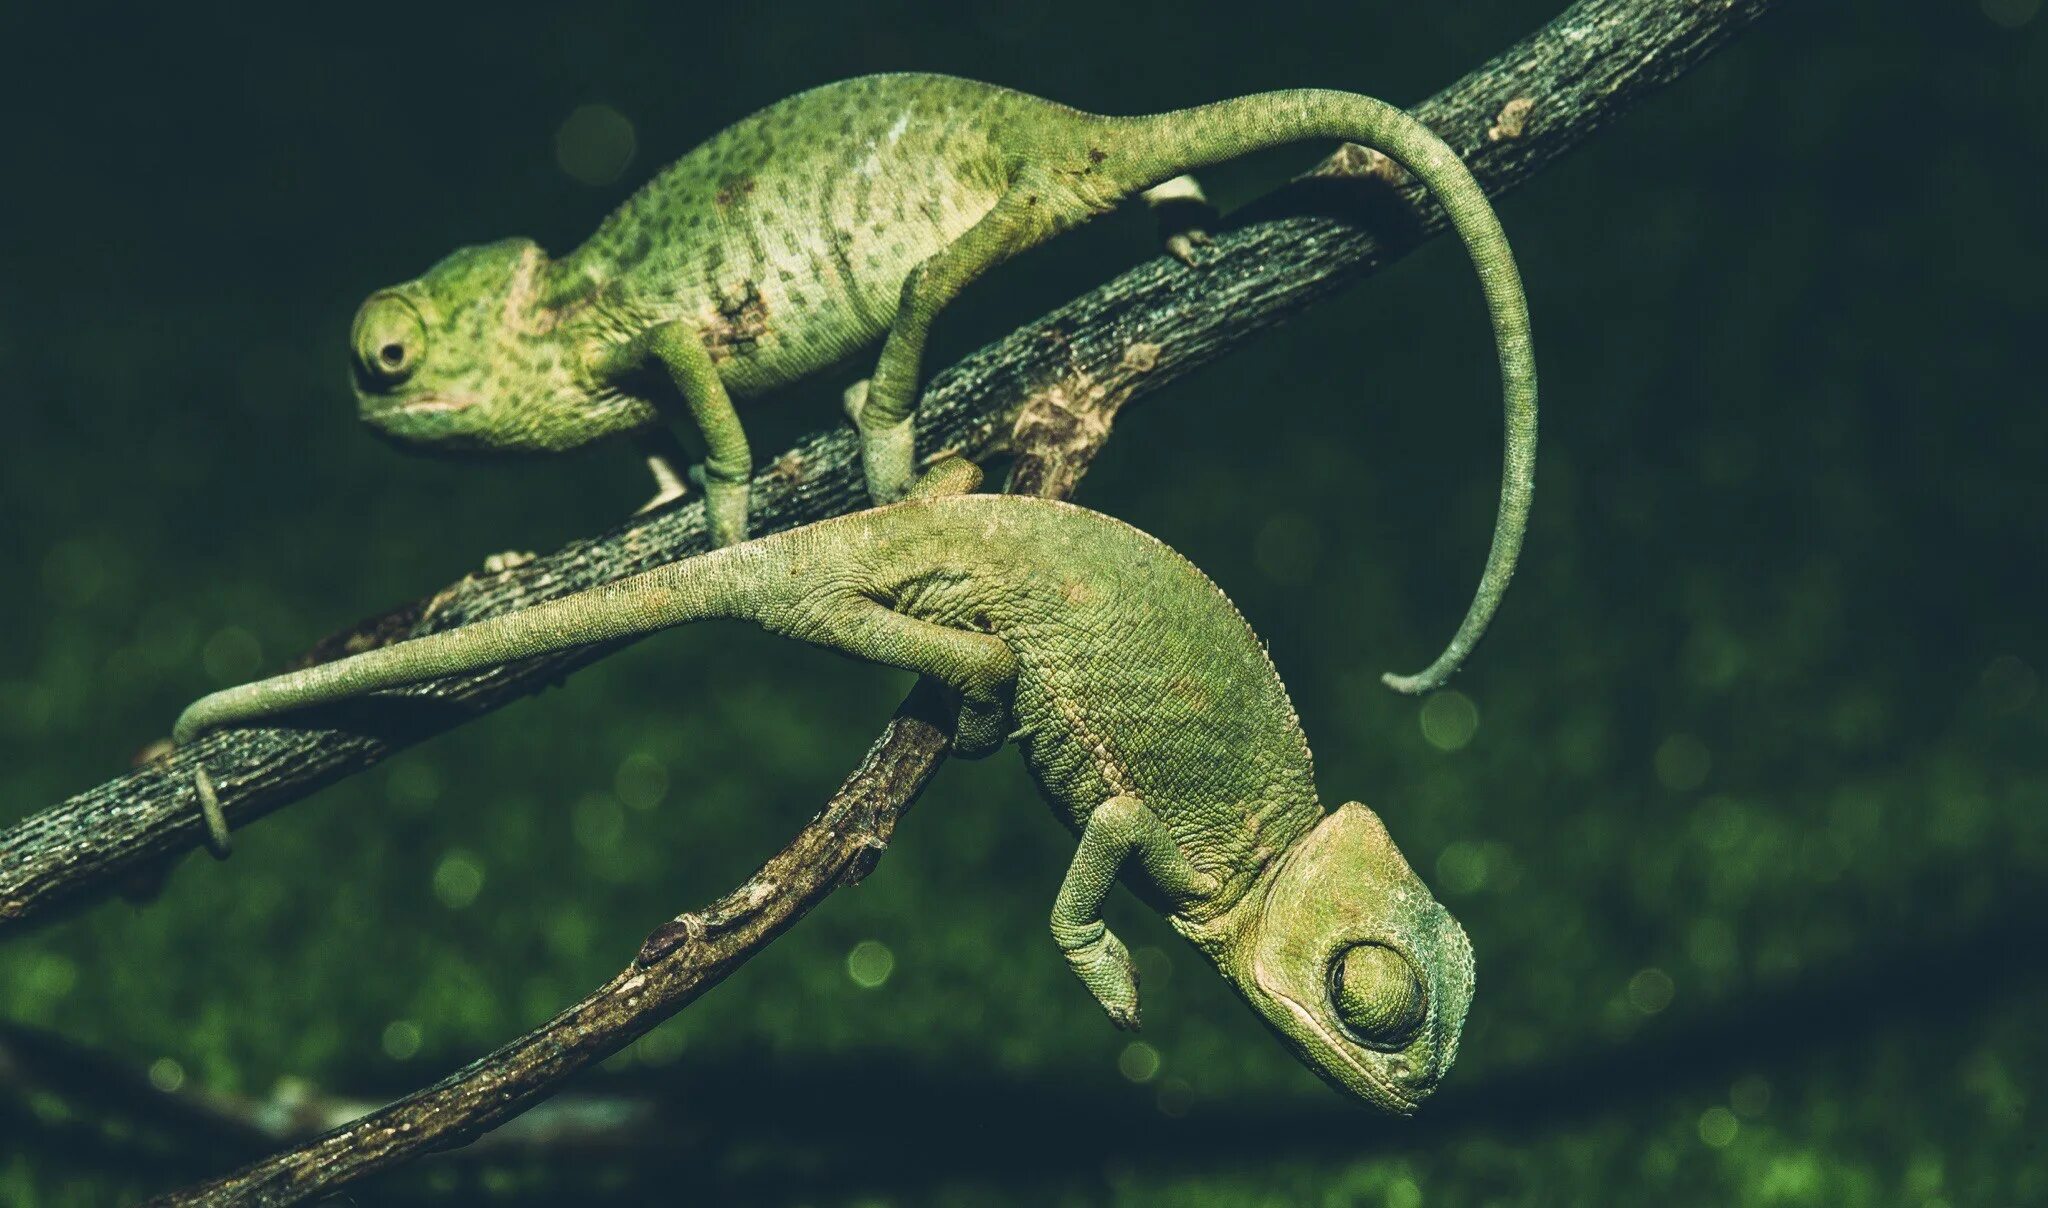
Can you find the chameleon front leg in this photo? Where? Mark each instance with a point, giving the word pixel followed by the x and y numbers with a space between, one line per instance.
pixel 1120 828
pixel 888 450
pixel 728 461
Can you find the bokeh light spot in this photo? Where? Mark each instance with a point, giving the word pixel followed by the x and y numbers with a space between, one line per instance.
pixel 1461 868
pixel 1650 991
pixel 1718 1127
pixel 1449 720
pixel 595 144
pixel 413 782
pixel 166 1075
pixel 402 1040
pixel 458 879
pixel 1139 1062
pixel 870 964
pixel 641 781
pixel 50 976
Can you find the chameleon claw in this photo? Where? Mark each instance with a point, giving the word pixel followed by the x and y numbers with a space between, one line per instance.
pixel 217 840
pixel 1182 244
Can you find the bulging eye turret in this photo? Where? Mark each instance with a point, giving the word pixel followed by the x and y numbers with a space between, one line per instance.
pixel 1377 995
pixel 389 341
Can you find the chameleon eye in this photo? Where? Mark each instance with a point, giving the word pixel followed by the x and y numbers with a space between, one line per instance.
pixel 1377 995
pixel 389 341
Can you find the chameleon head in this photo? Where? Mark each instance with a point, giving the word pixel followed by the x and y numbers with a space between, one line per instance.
pixel 471 358
pixel 1361 972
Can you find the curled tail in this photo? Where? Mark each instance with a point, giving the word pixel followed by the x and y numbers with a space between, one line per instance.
pixel 1158 148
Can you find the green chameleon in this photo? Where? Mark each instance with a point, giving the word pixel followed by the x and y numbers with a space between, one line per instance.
pixel 801 235
pixel 1146 709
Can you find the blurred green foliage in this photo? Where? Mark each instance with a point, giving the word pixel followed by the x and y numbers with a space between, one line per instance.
pixel 1742 801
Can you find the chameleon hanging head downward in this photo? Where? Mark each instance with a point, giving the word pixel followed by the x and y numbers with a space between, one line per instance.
pixel 471 358
pixel 1352 962
pixel 1144 706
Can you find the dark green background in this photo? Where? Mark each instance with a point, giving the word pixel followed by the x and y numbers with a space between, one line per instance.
pixel 1749 836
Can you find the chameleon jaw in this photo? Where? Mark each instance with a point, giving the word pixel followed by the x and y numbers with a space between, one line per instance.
pixel 1356 1076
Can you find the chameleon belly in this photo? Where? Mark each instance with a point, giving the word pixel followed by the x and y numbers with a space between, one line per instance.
pixel 1136 675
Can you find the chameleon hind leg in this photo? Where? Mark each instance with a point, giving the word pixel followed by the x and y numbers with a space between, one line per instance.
pixel 888 450
pixel 1121 829
pixel 978 666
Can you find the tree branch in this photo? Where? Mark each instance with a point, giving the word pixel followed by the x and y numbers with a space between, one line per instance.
pixel 1049 392
pixel 1137 333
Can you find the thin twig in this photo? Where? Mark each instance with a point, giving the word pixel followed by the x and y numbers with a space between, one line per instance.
pixel 1149 327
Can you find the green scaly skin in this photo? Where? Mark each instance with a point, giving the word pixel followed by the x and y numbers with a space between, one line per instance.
pixel 841 216
pixel 1145 707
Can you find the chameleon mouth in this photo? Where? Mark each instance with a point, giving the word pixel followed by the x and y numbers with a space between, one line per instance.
pixel 433 404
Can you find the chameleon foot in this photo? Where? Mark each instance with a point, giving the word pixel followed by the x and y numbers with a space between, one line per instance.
pixel 1184 215
pixel 1104 965
pixel 1181 246
pixel 951 474
pixel 981 729
pixel 725 509
pixel 888 455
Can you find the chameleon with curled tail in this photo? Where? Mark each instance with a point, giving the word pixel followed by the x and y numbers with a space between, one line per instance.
pixel 1145 707
pixel 847 214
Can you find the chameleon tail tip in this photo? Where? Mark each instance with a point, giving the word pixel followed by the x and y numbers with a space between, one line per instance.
pixel 1414 685
pixel 217 839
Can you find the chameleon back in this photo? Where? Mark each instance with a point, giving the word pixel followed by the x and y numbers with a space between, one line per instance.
pixel 786 237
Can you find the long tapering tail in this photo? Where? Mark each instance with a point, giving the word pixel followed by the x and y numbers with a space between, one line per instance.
pixel 724 583
pixel 1157 148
